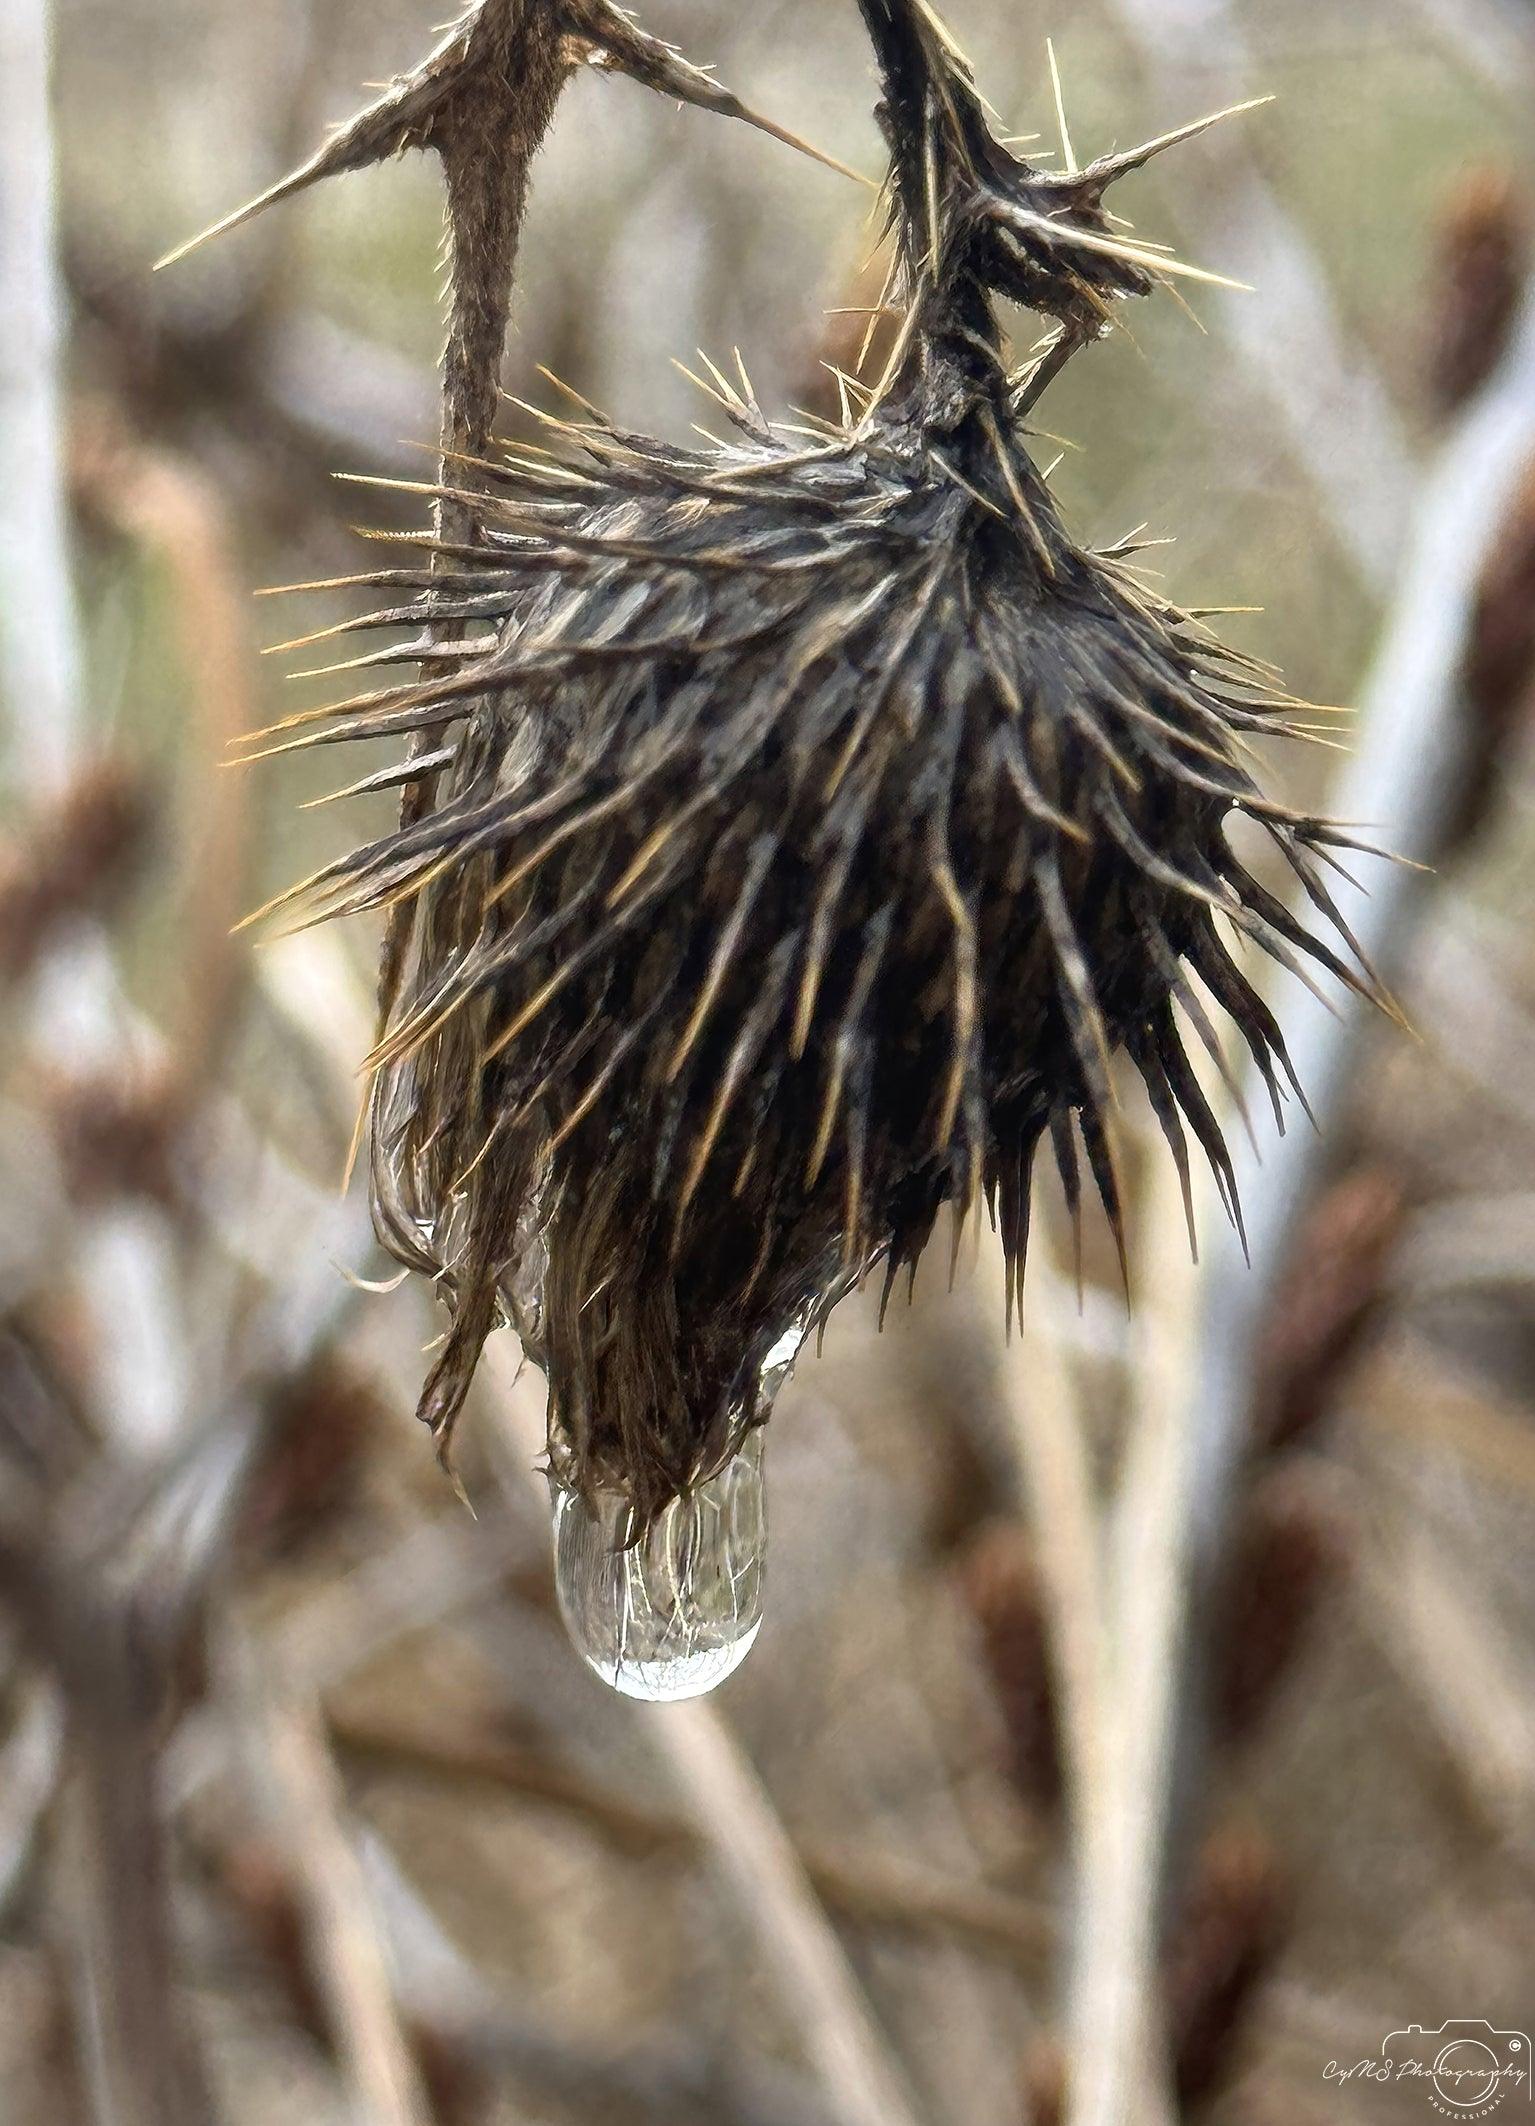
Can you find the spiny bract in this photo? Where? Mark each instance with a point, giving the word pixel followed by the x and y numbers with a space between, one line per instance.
pixel 812 821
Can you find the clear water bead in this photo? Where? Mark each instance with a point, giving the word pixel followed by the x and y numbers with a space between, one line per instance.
pixel 675 1614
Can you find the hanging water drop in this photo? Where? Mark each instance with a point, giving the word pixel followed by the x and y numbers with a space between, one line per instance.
pixel 674 1614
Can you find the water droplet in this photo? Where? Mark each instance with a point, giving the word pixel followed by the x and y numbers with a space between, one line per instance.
pixel 673 1615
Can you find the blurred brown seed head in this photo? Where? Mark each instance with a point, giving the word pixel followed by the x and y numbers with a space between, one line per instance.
pixel 1481 255
pixel 73 860
pixel 999 1582
pixel 1326 1303
pixel 323 1423
pixel 1218 1952
pixel 1288 1554
pixel 1046 2083
pixel 1500 668
pixel 120 1135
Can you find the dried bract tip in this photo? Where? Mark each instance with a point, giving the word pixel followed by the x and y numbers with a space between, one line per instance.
pixel 969 210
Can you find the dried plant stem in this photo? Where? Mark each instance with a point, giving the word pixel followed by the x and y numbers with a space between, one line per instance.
pixel 111 1654
pixel 123 1251
pixel 300 1791
pixel 1119 2067
pixel 176 512
pixel 39 632
pixel 752 1853
pixel 486 167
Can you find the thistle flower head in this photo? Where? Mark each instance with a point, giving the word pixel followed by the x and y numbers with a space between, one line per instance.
pixel 801 827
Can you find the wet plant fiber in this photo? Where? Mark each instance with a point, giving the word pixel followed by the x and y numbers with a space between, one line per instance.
pixel 796 830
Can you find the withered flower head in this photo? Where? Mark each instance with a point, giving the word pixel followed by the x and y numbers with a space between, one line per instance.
pixel 800 830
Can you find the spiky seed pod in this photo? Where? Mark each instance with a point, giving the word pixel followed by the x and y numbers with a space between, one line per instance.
pixel 813 822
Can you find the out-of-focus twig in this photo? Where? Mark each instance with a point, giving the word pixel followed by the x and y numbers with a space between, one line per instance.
pixel 1419 748
pixel 1417 1397
pixel 41 676
pixel 39 634
pixel 1120 2068
pixel 110 1645
pixel 751 1851
pixel 1325 1302
pixel 671 2082
pixel 304 396
pixel 1460 1664
pixel 174 510
pixel 300 1792
pixel 1220 1947
pixel 1290 1551
pixel 112 1657
pixel 75 855
pixel 868 1891
pixel 1000 1582
pixel 464 2035
pixel 1464 977
pixel 1482 1243
pixel 28 1778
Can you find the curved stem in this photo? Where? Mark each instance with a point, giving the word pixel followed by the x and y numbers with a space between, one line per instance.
pixel 487 143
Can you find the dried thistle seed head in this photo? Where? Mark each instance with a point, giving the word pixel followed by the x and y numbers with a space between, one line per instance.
pixel 809 823
pixel 817 822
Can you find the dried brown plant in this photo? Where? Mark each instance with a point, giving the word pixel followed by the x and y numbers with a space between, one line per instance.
pixel 807 822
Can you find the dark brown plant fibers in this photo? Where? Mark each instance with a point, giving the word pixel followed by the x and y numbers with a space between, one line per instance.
pixel 804 825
